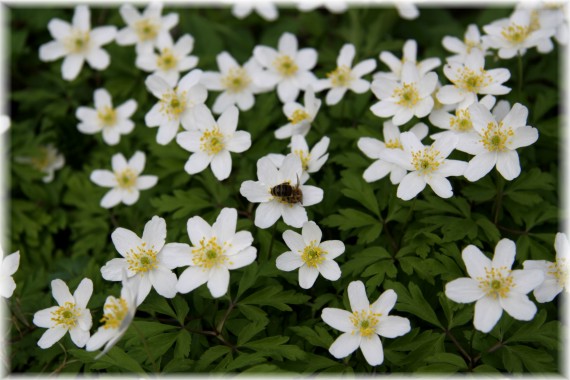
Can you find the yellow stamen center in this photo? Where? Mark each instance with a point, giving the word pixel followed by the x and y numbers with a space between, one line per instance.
pixel 66 315
pixel 462 121
pixel 426 161
pixel 497 282
pixel 559 270
pixel 166 60
pixel 126 179
pixel 341 76
pixel 45 159
pixel 142 258
pixel 298 116
pixel 313 255
pixel 393 144
pixel 305 158
pixel 408 94
pixel 470 44
pixel 236 80
pixel 364 322
pixel 472 81
pixel 496 137
pixel 209 254
pixel 212 141
pixel 285 65
pixel 115 310
pixel 172 104
pixel 78 41
pixel 146 29
pixel 515 34
pixel 107 116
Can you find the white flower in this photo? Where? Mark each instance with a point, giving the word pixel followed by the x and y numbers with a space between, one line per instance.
pixel 177 105
pixel 47 161
pixel 427 165
pixel 8 266
pixel 470 79
pixel 300 117
pixel 280 193
pixel 364 326
pixel 515 35
pixel 406 99
pixel 496 142
pixel 310 255
pixel 345 77
pixel 145 29
pixel 555 273
pixel 288 68
pixel 409 55
pixel 117 317
pixel 142 261
pixel 494 286
pixel 472 40
pixel 459 124
pixel 171 60
pixel 407 10
pixel 4 123
pixel 77 42
pixel 71 315
pixel 212 142
pixel 112 122
pixel 332 6
pixel 125 180
pixel 373 148
pixel 215 251
pixel 235 81
pixel 312 161
pixel 267 10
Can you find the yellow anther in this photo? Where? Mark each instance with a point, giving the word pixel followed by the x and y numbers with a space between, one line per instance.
pixel 393 144
pixel 305 158
pixel 496 137
pixel 497 282
pixel 313 255
pixel 408 94
pixel 341 76
pixel 166 60
pixel 142 258
pixel 472 81
pixel 212 141
pixel 236 79
pixel 298 116
pixel 461 121
pixel 515 34
pixel 209 254
pixel 364 322
pixel 115 310
pixel 146 30
pixel 78 41
pixel 285 65
pixel 172 104
pixel 66 315
pixel 107 116
pixel 126 179
pixel 427 160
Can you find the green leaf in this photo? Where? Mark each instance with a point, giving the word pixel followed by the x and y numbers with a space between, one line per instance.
pixel 274 345
pixel 537 331
pixel 275 296
pixel 211 355
pixel 180 308
pixel 447 358
pixel 413 302
pixel 250 331
pixel 360 191
pixel 318 336
pixel 183 341
pixel 122 360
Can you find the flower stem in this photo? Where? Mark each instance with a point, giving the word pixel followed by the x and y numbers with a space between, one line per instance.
pixel 500 182
pixel 520 74
pixel 270 250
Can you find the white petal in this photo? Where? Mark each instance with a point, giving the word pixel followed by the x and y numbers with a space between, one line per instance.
pixel 51 336
pixel 337 319
pixel 330 270
pixel 412 184
pixel 289 261
pixel 222 165
pixel 518 306
pixel 508 164
pixel 61 292
pixel 307 276
pixel 372 349
pixel 71 66
pixel 242 258
pixel 164 281
pixel 43 318
pixel 255 192
pixel 294 241
pixel 463 290
pixel 345 345
pixel 267 214
pixel 334 248
pixel 505 252
pixel 145 182
pixel 98 59
pixel 225 225
pixel 59 29
pixel 357 296
pixel 393 326
pixel 524 136
pixel 488 311
pixel 384 304
pixel 311 234
pixel 192 278
pixel 154 233
pixel 311 195
pixel 83 293
pixel 79 336
pixel 475 261
pixel 294 215
pixel 103 178
pixel 11 262
pixel 546 292
pixel 219 281
pixel 52 51
pixel 112 198
pixel 526 280
pixel 198 229
pixel 334 95
pixel 240 142
pixel 440 185
pixel 197 162
pixel 175 255
pixel 480 165
pixel 98 339
pixel 114 269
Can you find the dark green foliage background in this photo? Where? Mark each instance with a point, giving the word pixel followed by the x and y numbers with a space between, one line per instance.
pixel 266 322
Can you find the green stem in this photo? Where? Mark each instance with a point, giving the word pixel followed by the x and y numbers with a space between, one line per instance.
pixel 147 350
pixel 499 199
pixel 270 250
pixel 520 75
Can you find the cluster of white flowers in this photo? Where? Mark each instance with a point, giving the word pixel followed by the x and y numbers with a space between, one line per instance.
pixel 411 89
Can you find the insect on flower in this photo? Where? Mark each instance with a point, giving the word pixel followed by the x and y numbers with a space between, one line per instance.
pixel 288 193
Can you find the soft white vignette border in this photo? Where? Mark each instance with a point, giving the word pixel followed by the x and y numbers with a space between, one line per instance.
pixel 4 145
